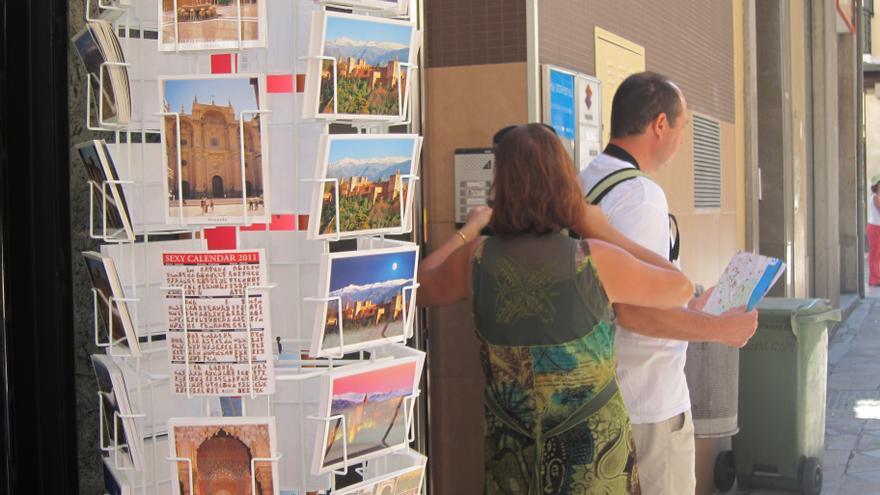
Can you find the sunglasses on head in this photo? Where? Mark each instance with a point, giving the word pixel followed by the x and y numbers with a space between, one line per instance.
pixel 499 136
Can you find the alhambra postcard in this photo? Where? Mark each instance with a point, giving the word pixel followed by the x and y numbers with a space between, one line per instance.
pixel 367 178
pixel 212 24
pixel 370 299
pixel 373 400
pixel 209 180
pixel 371 57
pixel 386 6
pixel 219 454
pixel 403 482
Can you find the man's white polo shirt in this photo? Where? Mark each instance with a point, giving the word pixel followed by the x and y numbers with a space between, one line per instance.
pixel 650 370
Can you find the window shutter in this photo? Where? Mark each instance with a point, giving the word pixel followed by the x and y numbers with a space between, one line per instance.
pixel 707 163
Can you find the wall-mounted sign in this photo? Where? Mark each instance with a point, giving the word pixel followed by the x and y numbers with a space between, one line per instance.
pixel 589 110
pixel 559 101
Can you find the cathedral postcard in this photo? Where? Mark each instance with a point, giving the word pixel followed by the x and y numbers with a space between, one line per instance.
pixel 215 149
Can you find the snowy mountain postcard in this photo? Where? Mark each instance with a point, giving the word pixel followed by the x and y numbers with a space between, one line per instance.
pixel 373 400
pixel 370 300
pixel 365 186
pixel 371 57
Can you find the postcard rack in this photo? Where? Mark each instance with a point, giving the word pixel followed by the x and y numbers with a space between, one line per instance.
pixel 134 149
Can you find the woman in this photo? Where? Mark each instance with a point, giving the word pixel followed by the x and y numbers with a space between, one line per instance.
pixel 555 422
pixel 874 233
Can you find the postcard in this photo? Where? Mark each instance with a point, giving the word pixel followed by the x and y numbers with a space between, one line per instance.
pixel 746 280
pixel 110 198
pixel 376 290
pixel 370 82
pixel 101 53
pixel 114 314
pixel 118 412
pixel 212 25
pixel 218 320
pixel 403 482
pixel 367 178
pixel 208 179
pixel 220 452
pixel 387 6
pixel 373 400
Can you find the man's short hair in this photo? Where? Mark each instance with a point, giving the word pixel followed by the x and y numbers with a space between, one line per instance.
pixel 639 99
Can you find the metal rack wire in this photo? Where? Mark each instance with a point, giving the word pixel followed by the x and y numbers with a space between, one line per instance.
pixel 296 374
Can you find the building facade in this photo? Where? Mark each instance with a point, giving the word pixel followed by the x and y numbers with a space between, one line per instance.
pixel 210 152
pixel 771 88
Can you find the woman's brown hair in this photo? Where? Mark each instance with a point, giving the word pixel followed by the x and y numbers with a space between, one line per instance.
pixel 536 191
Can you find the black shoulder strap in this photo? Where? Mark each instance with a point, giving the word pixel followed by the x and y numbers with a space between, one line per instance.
pixel 674 238
pixel 604 186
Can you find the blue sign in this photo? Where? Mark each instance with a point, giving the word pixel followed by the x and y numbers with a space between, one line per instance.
pixel 562 103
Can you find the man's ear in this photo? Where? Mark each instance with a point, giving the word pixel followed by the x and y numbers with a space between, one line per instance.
pixel 660 124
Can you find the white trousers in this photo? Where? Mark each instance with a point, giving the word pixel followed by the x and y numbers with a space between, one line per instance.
pixel 665 455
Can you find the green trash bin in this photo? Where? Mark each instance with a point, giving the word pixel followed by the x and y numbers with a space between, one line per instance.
pixel 782 384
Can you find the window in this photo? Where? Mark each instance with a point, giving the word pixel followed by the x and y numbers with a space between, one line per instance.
pixel 215 143
pixel 707 163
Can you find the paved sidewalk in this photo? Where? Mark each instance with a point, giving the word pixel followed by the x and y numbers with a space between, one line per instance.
pixel 852 435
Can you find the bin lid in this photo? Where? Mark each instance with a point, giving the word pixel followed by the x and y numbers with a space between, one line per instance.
pixel 790 311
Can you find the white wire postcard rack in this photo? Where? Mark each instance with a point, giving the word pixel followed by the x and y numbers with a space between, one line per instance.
pixel 293 261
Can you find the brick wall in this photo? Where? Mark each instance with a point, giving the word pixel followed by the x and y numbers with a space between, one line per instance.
pixel 689 41
pixel 474 32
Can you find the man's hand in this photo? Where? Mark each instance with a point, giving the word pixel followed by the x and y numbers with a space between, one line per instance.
pixel 736 327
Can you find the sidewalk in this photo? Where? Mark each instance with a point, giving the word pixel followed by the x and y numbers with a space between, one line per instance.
pixel 852 434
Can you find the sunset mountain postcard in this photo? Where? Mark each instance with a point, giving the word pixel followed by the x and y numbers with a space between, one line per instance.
pixel 373 401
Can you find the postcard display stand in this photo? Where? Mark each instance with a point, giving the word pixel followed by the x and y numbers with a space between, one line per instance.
pixel 290 142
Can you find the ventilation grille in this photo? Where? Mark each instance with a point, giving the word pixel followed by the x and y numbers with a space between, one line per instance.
pixel 707 163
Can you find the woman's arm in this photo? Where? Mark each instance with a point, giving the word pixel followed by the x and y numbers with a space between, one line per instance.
pixel 629 280
pixel 444 275
pixel 594 225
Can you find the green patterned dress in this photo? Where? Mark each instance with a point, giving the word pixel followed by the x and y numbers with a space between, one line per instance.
pixel 555 422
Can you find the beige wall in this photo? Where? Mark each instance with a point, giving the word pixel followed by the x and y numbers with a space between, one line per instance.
pixel 800 262
pixel 465 106
pixel 708 235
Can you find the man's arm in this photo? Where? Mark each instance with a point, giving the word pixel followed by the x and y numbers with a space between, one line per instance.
pixel 733 329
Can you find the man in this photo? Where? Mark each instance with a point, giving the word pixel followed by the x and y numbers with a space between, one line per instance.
pixel 648 117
